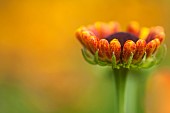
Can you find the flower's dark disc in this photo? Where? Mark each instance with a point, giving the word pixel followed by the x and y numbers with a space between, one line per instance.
pixel 122 37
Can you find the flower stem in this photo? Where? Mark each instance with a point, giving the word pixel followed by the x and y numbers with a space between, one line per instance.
pixel 120 76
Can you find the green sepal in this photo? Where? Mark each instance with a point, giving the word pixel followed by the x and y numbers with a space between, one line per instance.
pixel 161 53
pixel 150 62
pixel 154 60
pixel 129 61
pixel 96 57
pixel 114 65
pixel 87 57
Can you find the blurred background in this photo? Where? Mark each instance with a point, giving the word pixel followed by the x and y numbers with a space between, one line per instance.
pixel 41 66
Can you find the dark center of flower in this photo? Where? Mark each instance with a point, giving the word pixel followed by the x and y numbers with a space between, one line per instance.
pixel 122 37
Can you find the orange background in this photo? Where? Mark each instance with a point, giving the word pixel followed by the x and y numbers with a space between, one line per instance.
pixel 42 69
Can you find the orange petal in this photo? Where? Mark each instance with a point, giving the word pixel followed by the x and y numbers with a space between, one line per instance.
pixel 140 50
pixel 157 43
pixel 98 27
pixel 115 47
pixel 144 32
pixel 93 29
pixel 150 48
pixel 103 29
pixel 79 34
pixel 134 28
pixel 160 36
pixel 86 38
pixel 128 48
pixel 104 49
pixel 114 27
pixel 156 32
pixel 93 43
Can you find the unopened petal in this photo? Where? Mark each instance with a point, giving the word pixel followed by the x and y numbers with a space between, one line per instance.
pixel 156 32
pixel 103 30
pixel 150 48
pixel 128 49
pixel 134 28
pixel 98 27
pixel 115 47
pixel 86 38
pixel 79 34
pixel 114 27
pixel 140 50
pixel 93 43
pixel 104 49
pixel 144 32
pixel 157 44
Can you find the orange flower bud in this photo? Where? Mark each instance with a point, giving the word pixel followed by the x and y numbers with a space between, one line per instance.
pixel 115 47
pixel 134 28
pixel 128 48
pixel 104 49
pixel 140 50
pixel 150 48
pixel 104 40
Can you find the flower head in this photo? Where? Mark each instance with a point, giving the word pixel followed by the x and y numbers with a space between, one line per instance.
pixel 106 44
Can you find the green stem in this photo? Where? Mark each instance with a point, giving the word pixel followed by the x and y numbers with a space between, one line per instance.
pixel 120 76
pixel 136 90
